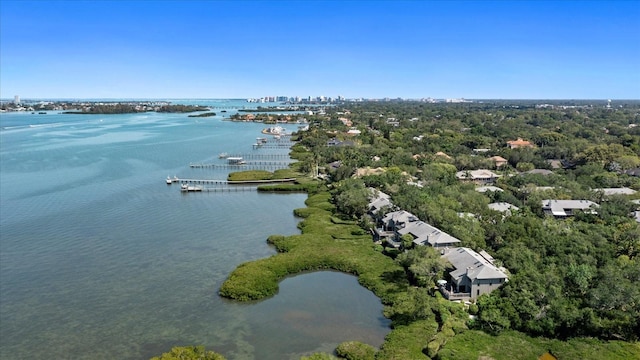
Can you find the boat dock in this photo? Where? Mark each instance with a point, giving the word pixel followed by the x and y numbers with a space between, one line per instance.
pixel 242 165
pixel 257 156
pixel 226 182
pixel 199 181
pixel 224 189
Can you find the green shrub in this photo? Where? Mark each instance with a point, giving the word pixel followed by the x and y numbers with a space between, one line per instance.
pixel 354 350
pixel 473 309
pixel 189 353
pixel 283 188
pixel 432 348
pixel 408 341
pixel 319 356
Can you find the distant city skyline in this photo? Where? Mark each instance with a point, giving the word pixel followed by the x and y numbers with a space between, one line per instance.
pixel 353 49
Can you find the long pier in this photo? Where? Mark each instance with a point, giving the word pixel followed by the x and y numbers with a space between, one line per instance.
pixel 272 146
pixel 226 182
pixel 259 156
pixel 225 189
pixel 240 167
pixel 199 181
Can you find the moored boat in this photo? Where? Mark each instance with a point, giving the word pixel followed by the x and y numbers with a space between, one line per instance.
pixel 236 161
pixel 185 188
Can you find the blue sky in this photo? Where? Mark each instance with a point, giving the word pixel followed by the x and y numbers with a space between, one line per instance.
pixel 370 49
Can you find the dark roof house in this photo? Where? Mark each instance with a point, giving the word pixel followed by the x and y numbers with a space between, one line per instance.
pixel 425 234
pixel 472 276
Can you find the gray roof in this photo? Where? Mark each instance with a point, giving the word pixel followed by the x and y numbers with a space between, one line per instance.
pixel 633 172
pixel 616 191
pixel 539 172
pixel 424 234
pixel 637 215
pixel 472 265
pixel 400 216
pixel 560 207
pixel 476 174
pixel 379 194
pixel 503 207
pixel 484 189
pixel 487 257
pixel 378 200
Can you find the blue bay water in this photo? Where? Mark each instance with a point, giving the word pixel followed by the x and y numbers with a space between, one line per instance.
pixel 100 259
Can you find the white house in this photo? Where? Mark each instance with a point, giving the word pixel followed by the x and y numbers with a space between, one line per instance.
pixel 564 208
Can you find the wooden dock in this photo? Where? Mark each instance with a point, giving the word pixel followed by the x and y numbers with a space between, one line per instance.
pixel 260 156
pixel 226 182
pixel 241 167
pixel 225 189
pixel 272 146
pixel 201 181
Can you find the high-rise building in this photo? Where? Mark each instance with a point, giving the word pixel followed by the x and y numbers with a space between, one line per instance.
pixel 16 99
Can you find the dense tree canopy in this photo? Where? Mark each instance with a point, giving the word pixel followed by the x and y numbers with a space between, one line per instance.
pixel 570 277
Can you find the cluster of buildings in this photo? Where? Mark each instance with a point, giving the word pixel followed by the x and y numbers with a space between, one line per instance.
pixel 339 98
pixel 472 274
pixel 558 208
pixel 18 105
pixel 297 99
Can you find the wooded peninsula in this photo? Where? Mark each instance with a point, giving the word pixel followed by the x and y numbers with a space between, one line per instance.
pixel 131 108
pixel 548 191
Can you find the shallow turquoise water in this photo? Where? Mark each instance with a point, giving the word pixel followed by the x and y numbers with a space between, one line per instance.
pixel 100 259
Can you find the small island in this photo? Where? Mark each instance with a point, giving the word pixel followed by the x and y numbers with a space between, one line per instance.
pixel 207 114
pixel 131 108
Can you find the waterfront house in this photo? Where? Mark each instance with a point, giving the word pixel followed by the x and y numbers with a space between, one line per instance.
pixel 398 223
pixel 387 225
pixel 378 201
pixel 471 274
pixel 396 220
pixel 564 208
pixel 481 176
pixel 425 234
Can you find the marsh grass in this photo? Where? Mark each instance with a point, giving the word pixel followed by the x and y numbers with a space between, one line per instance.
pixel 513 345
pixel 328 242
pixel 323 244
